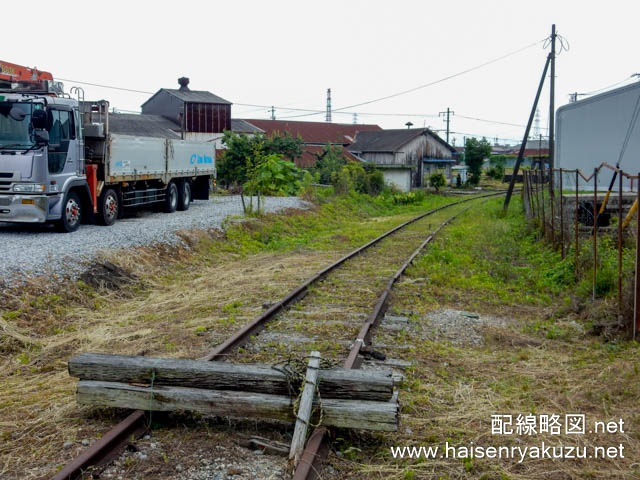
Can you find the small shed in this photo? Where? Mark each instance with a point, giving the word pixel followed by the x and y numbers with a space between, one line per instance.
pixel 400 154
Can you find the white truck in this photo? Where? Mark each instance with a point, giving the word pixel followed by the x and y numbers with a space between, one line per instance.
pixel 68 161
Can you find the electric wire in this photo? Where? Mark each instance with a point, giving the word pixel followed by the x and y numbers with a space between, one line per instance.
pixel 429 84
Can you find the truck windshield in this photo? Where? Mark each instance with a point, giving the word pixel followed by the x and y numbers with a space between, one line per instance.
pixel 16 134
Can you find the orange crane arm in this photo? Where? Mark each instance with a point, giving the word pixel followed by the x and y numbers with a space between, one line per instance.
pixel 17 73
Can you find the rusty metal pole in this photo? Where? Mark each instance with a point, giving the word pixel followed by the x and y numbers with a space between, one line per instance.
pixel 636 306
pixel 544 216
pixel 595 230
pixel 577 232
pixel 552 209
pixel 620 246
pixel 561 216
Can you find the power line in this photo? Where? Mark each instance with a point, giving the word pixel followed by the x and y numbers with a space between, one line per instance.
pixel 449 77
pixel 257 107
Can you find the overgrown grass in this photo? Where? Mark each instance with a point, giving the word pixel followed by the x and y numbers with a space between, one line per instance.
pixel 337 222
pixel 538 359
pixel 186 301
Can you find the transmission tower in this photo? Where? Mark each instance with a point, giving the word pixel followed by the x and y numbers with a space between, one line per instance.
pixel 328 119
pixel 536 124
pixel 355 118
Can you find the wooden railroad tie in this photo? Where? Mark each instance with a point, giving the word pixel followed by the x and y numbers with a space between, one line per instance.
pixel 338 397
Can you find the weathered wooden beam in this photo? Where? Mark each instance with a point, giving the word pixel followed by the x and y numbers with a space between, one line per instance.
pixel 360 414
pixel 304 410
pixel 334 383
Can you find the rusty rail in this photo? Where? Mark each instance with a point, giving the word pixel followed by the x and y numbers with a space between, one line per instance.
pixel 135 424
pixel 317 448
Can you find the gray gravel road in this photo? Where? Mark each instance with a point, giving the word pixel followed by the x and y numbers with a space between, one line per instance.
pixel 31 250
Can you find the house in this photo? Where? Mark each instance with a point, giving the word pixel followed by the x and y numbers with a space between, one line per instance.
pixel 197 114
pixel 405 155
pixel 315 136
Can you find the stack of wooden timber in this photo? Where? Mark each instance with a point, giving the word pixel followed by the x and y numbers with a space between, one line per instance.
pixel 348 398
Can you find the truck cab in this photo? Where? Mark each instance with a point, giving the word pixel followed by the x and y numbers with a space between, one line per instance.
pixel 42 176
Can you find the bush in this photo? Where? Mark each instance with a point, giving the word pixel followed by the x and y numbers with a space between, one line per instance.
pixel 375 182
pixel 496 172
pixel 409 197
pixel 331 161
pixel 437 181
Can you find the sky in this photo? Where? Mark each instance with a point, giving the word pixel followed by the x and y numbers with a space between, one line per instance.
pixel 287 54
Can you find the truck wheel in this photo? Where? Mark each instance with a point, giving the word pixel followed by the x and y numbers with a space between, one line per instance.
pixel 108 207
pixel 71 214
pixel 171 198
pixel 184 199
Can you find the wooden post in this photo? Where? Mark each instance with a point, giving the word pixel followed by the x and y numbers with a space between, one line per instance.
pixel 304 410
pixel 595 230
pixel 179 372
pixel 360 414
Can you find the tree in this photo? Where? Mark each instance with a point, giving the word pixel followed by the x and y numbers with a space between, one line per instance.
pixel 284 145
pixel 242 151
pixel 475 151
pixel 330 160
pixel 437 180
pixel 271 175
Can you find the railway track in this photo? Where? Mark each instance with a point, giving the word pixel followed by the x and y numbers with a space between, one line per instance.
pixel 334 312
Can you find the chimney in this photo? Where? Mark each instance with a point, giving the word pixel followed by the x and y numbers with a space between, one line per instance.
pixel 184 84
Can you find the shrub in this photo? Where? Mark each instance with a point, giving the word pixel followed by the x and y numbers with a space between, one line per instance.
pixel 437 181
pixel 375 182
pixel 409 197
pixel 331 161
pixel 496 172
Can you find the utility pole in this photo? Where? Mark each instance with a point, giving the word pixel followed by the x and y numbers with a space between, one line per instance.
pixel 273 113
pixel 355 118
pixel 523 145
pixel 552 109
pixel 328 118
pixel 448 113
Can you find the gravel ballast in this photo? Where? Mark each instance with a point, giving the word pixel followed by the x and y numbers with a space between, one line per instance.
pixel 33 250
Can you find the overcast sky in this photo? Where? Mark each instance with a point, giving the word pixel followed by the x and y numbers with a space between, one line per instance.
pixel 287 53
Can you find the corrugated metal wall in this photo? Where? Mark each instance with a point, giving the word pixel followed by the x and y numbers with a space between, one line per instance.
pixel 207 117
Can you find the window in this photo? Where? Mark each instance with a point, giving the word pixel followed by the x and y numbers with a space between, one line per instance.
pixel 60 133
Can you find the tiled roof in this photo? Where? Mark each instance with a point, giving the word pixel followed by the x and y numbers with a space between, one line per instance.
pixel 242 126
pixel 390 140
pixel 311 153
pixel 318 133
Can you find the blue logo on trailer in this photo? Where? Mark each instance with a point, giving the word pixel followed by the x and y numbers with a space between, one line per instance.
pixel 200 159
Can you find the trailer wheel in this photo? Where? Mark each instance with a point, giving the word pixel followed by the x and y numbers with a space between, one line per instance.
pixel 184 199
pixel 108 207
pixel 71 214
pixel 171 198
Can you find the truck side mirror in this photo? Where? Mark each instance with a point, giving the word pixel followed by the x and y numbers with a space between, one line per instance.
pixel 17 114
pixel 41 137
pixel 39 119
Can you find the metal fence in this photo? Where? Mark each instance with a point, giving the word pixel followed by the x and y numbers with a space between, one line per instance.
pixel 570 211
